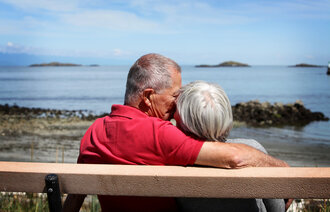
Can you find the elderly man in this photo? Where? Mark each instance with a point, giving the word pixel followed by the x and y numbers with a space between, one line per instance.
pixel 139 132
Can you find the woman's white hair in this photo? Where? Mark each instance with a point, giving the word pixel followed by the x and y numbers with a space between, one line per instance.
pixel 205 111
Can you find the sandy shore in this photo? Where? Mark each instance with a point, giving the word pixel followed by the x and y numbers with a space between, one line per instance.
pixel 41 139
pixel 298 152
pixel 57 139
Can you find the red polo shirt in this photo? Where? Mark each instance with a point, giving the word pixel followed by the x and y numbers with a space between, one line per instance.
pixel 128 136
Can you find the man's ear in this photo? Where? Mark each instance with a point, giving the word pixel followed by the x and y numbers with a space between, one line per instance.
pixel 146 96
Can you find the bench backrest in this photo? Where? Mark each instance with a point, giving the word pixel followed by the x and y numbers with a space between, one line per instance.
pixel 170 181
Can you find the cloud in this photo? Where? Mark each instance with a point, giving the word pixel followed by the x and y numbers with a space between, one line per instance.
pixel 11 48
pixel 28 26
pixel 309 56
pixel 217 13
pixel 156 17
pixel 100 28
pixel 143 15
pixel 50 5
pixel 120 53
pixel 109 19
pixel 63 14
pixel 191 12
pixel 288 10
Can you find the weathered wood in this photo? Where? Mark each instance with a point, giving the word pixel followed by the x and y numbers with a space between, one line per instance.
pixel 175 181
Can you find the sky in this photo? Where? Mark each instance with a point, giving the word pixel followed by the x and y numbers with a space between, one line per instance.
pixel 105 32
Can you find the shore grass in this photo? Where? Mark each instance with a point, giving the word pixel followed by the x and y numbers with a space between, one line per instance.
pixel 21 201
pixel 310 205
pixel 35 202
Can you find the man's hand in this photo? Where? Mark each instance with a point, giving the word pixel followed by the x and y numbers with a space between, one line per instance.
pixel 233 156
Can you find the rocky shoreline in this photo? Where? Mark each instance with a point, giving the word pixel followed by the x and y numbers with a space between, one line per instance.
pixel 265 114
pixel 28 113
pixel 252 113
pixel 45 135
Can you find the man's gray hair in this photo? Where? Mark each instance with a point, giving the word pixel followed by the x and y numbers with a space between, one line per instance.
pixel 205 111
pixel 149 71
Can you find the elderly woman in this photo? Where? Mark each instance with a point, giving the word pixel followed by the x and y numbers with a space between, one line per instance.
pixel 204 111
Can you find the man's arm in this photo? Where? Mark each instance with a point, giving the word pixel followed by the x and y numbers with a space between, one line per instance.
pixel 231 155
pixel 73 202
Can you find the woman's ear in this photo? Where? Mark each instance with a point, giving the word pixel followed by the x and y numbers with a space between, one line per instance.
pixel 146 96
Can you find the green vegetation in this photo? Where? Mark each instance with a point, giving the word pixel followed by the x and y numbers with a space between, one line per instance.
pixel 35 202
pixel 23 202
pixel 310 205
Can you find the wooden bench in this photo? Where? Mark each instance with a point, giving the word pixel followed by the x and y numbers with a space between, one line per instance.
pixel 165 181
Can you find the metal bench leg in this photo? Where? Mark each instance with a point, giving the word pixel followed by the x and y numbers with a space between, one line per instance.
pixel 53 193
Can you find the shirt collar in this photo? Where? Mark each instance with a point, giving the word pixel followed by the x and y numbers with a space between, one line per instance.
pixel 127 111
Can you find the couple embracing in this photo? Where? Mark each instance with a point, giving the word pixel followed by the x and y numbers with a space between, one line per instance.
pixel 140 133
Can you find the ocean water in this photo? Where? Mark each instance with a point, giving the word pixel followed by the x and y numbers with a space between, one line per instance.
pixel 97 88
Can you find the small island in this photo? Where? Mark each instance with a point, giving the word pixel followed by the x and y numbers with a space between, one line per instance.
pixel 305 65
pixel 224 64
pixel 54 64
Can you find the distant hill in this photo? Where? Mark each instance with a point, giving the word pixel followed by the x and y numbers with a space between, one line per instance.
pixel 54 64
pixel 307 65
pixel 224 64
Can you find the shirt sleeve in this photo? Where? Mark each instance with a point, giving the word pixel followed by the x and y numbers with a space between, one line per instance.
pixel 178 148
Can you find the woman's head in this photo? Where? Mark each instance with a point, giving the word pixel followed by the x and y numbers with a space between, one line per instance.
pixel 204 110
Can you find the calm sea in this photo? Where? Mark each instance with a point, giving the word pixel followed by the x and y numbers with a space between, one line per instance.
pixel 97 88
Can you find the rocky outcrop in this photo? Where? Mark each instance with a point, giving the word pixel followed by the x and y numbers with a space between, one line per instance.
pixel 266 114
pixel 224 64
pixel 54 64
pixel 328 72
pixel 305 65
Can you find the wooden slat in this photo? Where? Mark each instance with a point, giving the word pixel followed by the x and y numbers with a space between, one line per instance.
pixel 175 181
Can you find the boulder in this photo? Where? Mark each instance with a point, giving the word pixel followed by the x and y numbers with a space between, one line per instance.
pixel 277 114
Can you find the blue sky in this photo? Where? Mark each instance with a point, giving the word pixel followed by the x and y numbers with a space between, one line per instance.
pixel 282 32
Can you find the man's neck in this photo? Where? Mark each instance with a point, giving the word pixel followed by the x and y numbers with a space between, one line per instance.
pixel 139 105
